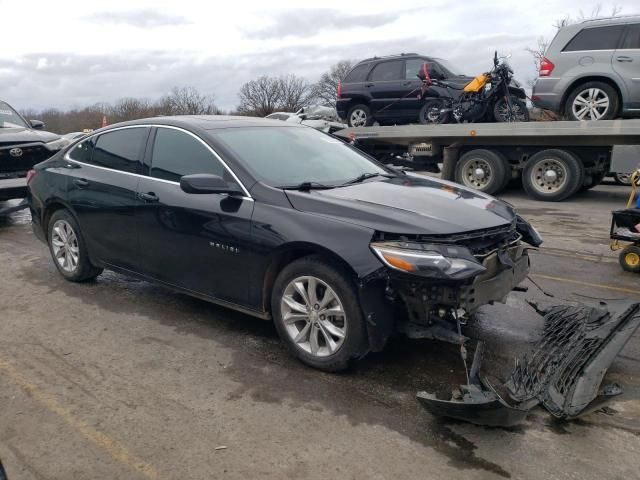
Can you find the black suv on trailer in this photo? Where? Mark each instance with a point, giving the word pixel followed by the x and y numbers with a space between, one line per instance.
pixel 22 145
pixel 387 89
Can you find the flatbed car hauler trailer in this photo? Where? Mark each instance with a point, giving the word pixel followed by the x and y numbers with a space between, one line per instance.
pixel 555 160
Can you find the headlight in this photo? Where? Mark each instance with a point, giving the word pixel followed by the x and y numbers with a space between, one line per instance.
pixel 450 262
pixel 57 144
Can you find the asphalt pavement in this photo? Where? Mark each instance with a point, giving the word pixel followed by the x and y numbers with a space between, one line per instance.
pixel 119 378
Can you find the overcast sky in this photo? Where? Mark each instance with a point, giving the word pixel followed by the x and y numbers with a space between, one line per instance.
pixel 72 53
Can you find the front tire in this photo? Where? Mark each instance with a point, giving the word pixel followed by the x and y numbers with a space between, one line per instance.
pixel 317 314
pixel 483 170
pixel 552 175
pixel 630 259
pixel 519 111
pixel 592 101
pixel 359 116
pixel 68 248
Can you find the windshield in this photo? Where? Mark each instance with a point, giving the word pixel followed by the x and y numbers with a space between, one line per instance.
pixel 9 118
pixel 288 156
pixel 448 66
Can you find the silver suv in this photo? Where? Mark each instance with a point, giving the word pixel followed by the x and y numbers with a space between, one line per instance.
pixel 591 70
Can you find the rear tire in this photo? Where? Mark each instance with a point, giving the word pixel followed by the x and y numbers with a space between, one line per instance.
pixel 68 248
pixel 431 113
pixel 309 294
pixel 630 259
pixel 359 116
pixel 624 179
pixel 552 175
pixel 592 101
pixel 502 115
pixel 483 170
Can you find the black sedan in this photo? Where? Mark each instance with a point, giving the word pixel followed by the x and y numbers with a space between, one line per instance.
pixel 282 222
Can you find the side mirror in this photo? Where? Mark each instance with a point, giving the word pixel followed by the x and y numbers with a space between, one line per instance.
pixel 207 183
pixel 36 124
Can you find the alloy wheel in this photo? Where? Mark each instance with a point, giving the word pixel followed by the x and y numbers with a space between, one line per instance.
pixel 590 104
pixel 549 176
pixel 313 316
pixel 64 243
pixel 358 118
pixel 477 173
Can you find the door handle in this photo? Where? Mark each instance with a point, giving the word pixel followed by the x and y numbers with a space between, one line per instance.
pixel 368 84
pixel 148 197
pixel 624 58
pixel 406 84
pixel 81 182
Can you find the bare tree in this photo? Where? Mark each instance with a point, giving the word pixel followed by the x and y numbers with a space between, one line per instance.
pixel 187 101
pixel 130 109
pixel 260 97
pixel 325 89
pixel 295 93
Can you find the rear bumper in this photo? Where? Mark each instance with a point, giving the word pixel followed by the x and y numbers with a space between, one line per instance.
pixel 545 94
pixel 13 188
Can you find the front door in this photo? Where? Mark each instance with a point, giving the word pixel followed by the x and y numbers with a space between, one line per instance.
pixel 104 175
pixel 198 242
pixel 626 63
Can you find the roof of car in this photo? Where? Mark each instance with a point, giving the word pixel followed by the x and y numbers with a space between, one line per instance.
pixel 392 57
pixel 204 122
pixel 611 20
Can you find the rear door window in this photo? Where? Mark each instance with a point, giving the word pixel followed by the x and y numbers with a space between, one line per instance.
pixel 121 149
pixel 388 71
pixel 596 38
pixel 358 74
pixel 632 39
pixel 82 151
pixel 176 153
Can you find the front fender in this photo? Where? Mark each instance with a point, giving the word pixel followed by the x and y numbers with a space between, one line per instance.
pixel 517 92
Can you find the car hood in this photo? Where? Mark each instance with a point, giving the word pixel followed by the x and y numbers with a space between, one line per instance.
pixel 407 204
pixel 25 135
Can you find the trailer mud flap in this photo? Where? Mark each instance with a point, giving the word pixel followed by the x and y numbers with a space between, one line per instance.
pixel 563 371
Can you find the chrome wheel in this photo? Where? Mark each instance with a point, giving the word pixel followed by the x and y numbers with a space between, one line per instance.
pixel 313 316
pixel 549 176
pixel 64 243
pixel 477 173
pixel 358 118
pixel 590 104
pixel 515 114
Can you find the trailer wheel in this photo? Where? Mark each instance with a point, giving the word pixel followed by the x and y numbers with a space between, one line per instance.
pixel 483 170
pixel 552 175
pixel 630 259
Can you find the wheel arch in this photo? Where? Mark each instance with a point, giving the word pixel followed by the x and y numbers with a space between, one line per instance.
pixel 52 206
pixel 291 252
pixel 591 78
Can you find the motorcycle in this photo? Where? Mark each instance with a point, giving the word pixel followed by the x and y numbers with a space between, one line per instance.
pixel 492 96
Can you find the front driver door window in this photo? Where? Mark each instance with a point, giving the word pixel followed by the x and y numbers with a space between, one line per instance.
pixel 194 241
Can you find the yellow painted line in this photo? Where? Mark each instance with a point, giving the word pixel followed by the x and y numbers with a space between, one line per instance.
pixel 117 451
pixel 586 284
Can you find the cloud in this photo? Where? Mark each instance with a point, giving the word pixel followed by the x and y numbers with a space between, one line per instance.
pixel 309 22
pixel 138 18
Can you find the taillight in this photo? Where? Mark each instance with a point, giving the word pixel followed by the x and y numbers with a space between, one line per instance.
pixel 30 174
pixel 339 91
pixel 546 67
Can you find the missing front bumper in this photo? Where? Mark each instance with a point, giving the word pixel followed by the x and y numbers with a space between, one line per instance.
pixel 563 372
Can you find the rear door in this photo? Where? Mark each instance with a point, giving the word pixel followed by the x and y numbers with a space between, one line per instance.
pixel 200 242
pixel 593 48
pixel 102 192
pixel 626 62
pixel 386 84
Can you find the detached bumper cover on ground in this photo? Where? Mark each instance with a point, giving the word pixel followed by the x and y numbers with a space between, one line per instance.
pixel 563 372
